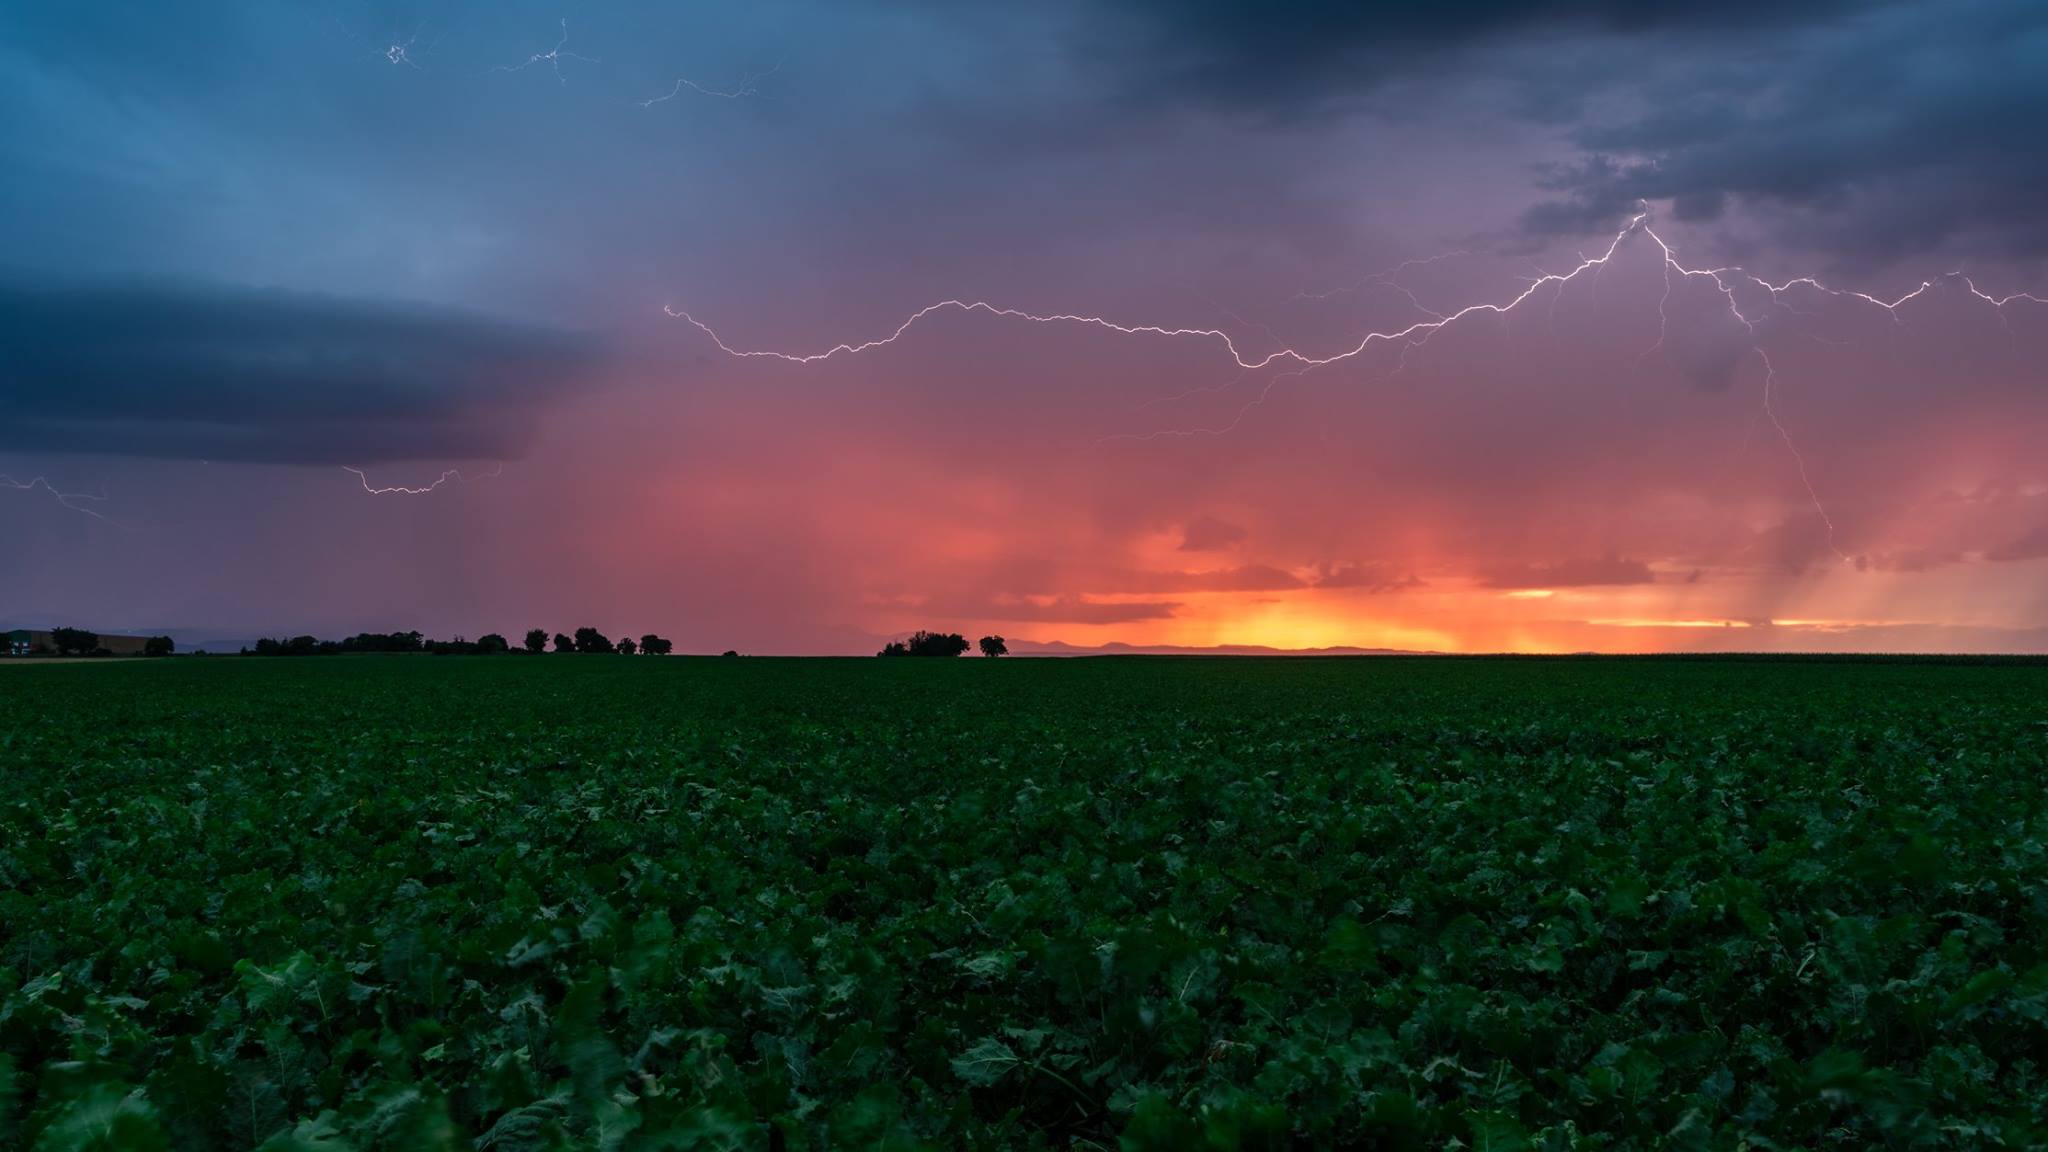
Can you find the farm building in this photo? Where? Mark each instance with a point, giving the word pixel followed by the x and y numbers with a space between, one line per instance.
pixel 31 642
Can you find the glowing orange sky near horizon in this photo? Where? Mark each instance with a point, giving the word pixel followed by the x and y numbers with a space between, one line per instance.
pixel 1533 485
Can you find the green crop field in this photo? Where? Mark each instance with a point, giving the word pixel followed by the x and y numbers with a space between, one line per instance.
pixel 546 902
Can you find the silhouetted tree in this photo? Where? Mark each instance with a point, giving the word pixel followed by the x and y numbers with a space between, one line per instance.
pixel 591 640
pixel 927 644
pixel 159 646
pixel 537 640
pixel 377 642
pixel 490 644
pixel 626 646
pixel 74 641
pixel 563 643
pixel 652 645
pixel 994 646
pixel 728 652
pixel 938 644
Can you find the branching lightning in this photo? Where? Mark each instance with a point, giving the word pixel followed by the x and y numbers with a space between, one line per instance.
pixel 454 474
pixel 1725 280
pixel 67 499
pixel 553 57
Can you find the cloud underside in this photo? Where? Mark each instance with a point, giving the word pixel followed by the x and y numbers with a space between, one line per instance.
pixel 1877 130
pixel 231 374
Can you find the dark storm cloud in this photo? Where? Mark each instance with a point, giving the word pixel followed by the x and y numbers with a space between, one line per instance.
pixel 237 374
pixel 1286 59
pixel 1896 131
pixel 1875 130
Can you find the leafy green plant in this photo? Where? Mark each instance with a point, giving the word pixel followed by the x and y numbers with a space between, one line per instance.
pixel 382 903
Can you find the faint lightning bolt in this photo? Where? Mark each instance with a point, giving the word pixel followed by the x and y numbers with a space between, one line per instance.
pixel 64 498
pixel 1770 410
pixel 1243 410
pixel 746 88
pixel 401 52
pixel 454 474
pixel 396 52
pixel 1387 278
pixel 553 57
pixel 1197 390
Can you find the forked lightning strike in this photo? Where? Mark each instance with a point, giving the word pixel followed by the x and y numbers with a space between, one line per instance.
pixel 1421 329
pixel 1726 280
pixel 454 474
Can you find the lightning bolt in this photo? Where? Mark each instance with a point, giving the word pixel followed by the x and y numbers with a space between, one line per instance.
pixel 1284 353
pixel 454 474
pixel 746 88
pixel 1770 410
pixel 1998 302
pixel 553 57
pixel 1726 280
pixel 64 498
pixel 396 52
pixel 1243 410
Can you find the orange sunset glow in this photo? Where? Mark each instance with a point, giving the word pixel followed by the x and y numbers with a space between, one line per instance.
pixel 1178 353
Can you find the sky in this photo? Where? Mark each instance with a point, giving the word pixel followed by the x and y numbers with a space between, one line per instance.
pixel 793 325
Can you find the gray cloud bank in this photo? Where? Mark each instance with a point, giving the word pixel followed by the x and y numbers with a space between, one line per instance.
pixel 188 371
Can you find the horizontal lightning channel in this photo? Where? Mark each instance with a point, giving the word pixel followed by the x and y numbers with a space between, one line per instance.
pixel 553 57
pixel 64 498
pixel 454 474
pixel 1725 279
pixel 746 88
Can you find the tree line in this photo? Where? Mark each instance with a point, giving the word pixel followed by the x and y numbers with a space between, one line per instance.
pixel 922 643
pixel 74 641
pixel 587 640
pixel 83 642
pixel 591 640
